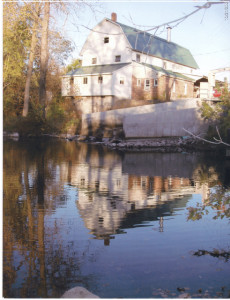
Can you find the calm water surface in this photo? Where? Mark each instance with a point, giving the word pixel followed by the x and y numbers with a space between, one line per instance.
pixel 129 225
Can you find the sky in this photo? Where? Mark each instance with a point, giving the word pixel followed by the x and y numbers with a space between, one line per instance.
pixel 206 33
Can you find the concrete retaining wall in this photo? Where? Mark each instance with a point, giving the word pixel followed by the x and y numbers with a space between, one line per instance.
pixel 163 123
pixel 156 120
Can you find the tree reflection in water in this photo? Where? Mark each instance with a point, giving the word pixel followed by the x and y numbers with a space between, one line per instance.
pixel 218 201
pixel 31 192
pixel 62 198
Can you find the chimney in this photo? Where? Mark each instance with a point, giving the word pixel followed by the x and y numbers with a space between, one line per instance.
pixel 114 17
pixel 169 34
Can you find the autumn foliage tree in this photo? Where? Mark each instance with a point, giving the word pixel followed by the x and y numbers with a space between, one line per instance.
pixel 33 58
pixel 218 115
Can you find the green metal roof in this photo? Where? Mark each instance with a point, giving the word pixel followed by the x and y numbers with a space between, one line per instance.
pixel 167 72
pixel 97 69
pixel 145 42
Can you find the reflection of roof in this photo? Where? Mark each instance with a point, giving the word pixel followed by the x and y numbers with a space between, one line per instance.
pixel 97 69
pixel 167 72
pixel 142 217
pixel 147 43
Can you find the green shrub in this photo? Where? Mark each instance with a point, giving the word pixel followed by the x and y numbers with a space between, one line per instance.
pixel 56 118
pixel 34 124
pixel 218 115
pixel 61 117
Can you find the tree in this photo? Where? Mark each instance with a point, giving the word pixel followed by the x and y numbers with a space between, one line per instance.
pixel 76 63
pixel 31 59
pixel 25 54
pixel 16 38
pixel 44 56
pixel 219 117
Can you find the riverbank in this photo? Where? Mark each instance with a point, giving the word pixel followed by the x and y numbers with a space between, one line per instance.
pixel 165 144
pixel 158 144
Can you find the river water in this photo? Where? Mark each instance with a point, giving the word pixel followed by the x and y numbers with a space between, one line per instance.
pixel 122 225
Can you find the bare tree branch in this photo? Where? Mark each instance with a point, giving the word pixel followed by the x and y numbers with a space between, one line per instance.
pixel 218 141
pixel 177 21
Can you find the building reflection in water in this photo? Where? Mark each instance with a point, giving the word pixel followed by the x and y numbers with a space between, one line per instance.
pixel 111 196
pixel 44 183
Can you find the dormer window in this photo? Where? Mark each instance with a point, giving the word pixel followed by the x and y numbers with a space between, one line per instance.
pixel 138 57
pixel 106 40
pixel 117 58
pixel 94 61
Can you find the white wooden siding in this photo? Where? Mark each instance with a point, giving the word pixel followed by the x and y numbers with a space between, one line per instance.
pixel 110 86
pixel 122 90
pixel 93 87
pixel 140 71
pixel 106 52
pixel 159 62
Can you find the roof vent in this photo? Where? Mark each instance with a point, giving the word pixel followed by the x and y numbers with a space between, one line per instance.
pixel 169 34
pixel 114 17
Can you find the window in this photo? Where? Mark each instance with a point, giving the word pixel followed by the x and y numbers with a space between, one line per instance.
pixel 94 60
pixel 138 82
pixel 155 82
pixel 100 79
pixel 147 84
pixel 174 87
pixel 117 58
pixel 85 80
pixel 185 89
pixel 164 65
pixel 122 80
pixel 138 57
pixel 106 40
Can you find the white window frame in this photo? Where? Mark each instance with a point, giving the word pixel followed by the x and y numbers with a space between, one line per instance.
pixel 85 80
pixel 106 40
pixel 147 85
pixel 174 87
pixel 185 89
